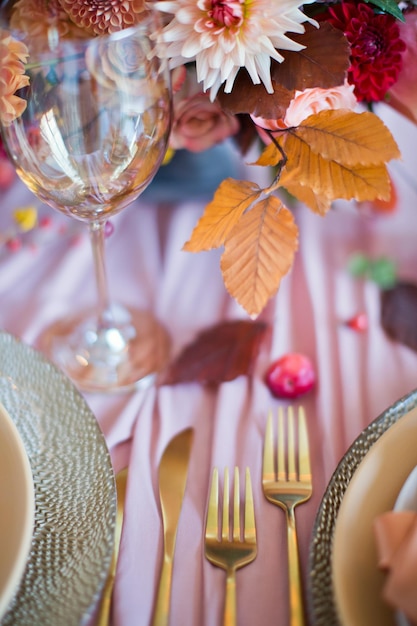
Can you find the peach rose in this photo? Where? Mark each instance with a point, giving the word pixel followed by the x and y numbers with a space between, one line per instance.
pixel 13 56
pixel 310 101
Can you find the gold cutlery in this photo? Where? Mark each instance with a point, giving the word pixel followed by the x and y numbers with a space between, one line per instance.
pixel 230 548
pixel 287 486
pixel 173 470
pixel 105 604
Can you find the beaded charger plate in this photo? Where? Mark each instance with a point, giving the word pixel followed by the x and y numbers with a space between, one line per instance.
pixel 75 495
pixel 332 521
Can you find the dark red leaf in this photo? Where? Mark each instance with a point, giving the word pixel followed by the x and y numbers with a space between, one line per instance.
pixel 219 354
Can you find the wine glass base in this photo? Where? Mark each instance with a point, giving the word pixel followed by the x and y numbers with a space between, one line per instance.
pixel 126 356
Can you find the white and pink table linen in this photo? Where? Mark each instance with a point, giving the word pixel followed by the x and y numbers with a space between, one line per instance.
pixel 359 374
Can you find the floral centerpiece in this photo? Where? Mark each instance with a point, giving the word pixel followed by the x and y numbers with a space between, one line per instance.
pixel 298 79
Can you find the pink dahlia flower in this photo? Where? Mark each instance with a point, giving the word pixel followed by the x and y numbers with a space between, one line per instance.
pixel 222 36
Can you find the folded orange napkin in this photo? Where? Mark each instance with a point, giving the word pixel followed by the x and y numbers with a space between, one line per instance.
pixel 396 538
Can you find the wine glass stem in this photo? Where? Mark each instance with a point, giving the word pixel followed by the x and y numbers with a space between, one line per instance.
pixel 97 237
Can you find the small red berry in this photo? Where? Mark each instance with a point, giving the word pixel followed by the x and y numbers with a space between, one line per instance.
pixel 75 240
pixel 358 322
pixel 45 221
pixel 290 376
pixel 14 244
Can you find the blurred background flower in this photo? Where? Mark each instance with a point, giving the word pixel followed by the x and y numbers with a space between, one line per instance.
pixel 13 56
pixel 403 93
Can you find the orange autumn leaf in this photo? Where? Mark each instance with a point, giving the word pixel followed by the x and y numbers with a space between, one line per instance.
pixel 230 201
pixel 387 206
pixel 346 137
pixel 258 252
pixel 330 178
pixel 318 204
pixel 270 156
pixel 330 155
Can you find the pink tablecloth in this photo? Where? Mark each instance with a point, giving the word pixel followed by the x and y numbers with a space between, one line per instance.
pixel 359 374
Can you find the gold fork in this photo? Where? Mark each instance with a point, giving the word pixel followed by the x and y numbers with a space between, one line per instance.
pixel 287 488
pixel 225 547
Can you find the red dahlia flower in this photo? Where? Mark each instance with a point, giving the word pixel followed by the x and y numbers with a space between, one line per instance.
pixel 376 48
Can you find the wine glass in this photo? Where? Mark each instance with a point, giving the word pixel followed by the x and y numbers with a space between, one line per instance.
pixel 90 140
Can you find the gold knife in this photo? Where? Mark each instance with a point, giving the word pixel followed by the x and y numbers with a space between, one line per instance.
pixel 105 605
pixel 173 471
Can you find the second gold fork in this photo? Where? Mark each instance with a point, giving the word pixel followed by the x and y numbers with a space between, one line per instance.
pixel 227 549
pixel 288 483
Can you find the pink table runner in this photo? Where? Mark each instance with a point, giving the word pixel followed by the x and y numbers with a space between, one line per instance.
pixel 359 374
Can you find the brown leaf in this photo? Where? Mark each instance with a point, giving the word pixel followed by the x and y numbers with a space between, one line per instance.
pixel 230 201
pixel 254 99
pixel 219 354
pixel 399 313
pixel 323 62
pixel 258 252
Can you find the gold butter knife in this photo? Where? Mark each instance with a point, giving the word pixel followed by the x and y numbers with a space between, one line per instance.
pixel 105 605
pixel 173 471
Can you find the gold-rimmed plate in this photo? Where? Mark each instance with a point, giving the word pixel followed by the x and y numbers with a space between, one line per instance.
pixel 75 496
pixel 345 583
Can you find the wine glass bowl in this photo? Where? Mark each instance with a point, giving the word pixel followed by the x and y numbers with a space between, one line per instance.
pixel 92 136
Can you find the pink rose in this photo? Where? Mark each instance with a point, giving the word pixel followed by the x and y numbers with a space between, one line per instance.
pixel 310 101
pixel 198 123
pixel 404 91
